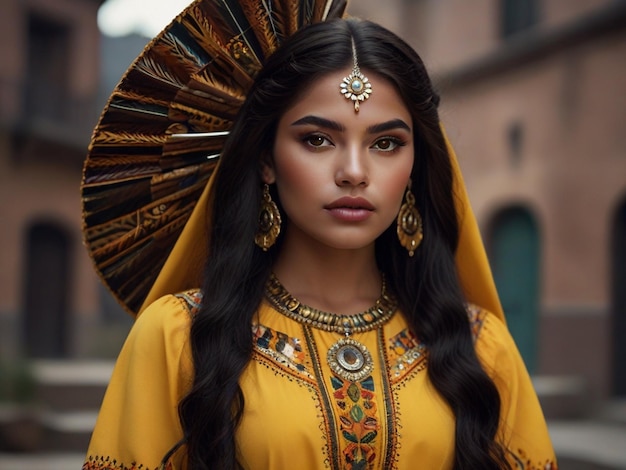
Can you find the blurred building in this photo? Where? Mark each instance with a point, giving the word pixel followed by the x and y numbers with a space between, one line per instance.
pixel 49 78
pixel 534 101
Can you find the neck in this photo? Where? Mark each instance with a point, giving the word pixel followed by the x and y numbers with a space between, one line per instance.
pixel 329 279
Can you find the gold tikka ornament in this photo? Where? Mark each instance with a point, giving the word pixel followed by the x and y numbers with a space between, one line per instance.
pixel 356 86
pixel 269 221
pixel 409 223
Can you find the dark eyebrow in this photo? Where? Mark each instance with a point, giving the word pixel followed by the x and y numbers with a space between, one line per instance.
pixel 388 126
pixel 319 121
pixel 335 126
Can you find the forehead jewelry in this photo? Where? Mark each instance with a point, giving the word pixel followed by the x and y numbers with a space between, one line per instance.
pixel 356 86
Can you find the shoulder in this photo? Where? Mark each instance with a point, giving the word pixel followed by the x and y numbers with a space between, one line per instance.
pixel 172 305
pixel 158 343
pixel 167 319
pixel 192 300
pixel 493 341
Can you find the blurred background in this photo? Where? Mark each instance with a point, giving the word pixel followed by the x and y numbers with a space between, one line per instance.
pixel 534 102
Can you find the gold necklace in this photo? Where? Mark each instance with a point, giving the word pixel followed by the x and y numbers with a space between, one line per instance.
pixel 347 358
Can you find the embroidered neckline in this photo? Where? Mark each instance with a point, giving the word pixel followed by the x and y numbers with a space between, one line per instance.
pixel 286 304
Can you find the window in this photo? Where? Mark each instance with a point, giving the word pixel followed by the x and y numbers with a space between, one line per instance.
pixel 515 138
pixel 46 87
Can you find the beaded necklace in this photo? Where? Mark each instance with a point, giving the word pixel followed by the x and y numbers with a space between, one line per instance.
pixel 347 358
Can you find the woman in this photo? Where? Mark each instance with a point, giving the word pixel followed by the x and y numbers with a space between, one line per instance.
pixel 331 330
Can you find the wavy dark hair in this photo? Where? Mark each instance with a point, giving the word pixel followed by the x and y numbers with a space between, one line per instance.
pixel 426 285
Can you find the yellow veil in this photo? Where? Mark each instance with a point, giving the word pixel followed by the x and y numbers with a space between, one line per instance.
pixel 183 268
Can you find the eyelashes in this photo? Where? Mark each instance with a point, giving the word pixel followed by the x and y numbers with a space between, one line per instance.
pixel 317 140
pixel 385 144
pixel 389 144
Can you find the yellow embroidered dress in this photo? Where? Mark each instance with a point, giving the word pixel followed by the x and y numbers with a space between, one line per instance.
pixel 298 412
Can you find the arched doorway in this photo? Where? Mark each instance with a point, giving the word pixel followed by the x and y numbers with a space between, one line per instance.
pixel 46 291
pixel 618 299
pixel 514 250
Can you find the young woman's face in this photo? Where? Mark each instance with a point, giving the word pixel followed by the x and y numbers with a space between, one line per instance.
pixel 341 175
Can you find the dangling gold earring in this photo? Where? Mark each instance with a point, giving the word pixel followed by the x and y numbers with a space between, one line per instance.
pixel 269 221
pixel 409 223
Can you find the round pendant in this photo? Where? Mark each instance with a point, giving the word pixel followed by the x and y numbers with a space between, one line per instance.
pixel 350 360
pixel 356 86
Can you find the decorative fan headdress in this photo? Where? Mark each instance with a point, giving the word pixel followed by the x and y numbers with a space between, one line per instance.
pixel 160 136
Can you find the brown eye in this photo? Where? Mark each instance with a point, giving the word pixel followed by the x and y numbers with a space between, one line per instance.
pixel 316 140
pixel 386 144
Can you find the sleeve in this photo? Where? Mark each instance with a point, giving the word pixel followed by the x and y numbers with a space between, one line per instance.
pixel 523 430
pixel 138 421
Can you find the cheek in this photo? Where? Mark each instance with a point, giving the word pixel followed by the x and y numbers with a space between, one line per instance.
pixel 285 168
pixel 397 184
pixel 297 170
pixel 291 176
pixel 296 175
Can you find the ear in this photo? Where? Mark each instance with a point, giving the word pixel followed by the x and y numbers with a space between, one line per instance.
pixel 268 175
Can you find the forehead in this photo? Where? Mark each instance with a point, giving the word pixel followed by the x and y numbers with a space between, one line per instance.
pixel 323 97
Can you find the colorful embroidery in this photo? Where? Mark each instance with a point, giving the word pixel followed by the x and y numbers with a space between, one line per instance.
pixel 358 420
pixel 476 316
pixel 522 461
pixel 405 354
pixel 193 300
pixel 281 349
pixel 107 463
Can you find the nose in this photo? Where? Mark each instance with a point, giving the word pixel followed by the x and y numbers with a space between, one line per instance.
pixel 352 168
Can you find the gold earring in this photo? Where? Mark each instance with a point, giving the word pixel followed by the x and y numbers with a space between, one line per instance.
pixel 409 223
pixel 269 221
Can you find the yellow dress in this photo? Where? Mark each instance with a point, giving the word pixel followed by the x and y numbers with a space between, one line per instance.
pixel 298 413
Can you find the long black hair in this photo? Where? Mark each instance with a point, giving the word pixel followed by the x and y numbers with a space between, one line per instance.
pixel 426 285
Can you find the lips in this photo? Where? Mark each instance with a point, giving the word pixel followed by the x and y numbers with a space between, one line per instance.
pixel 354 203
pixel 350 209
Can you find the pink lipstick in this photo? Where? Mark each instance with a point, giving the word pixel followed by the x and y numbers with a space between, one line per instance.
pixel 350 209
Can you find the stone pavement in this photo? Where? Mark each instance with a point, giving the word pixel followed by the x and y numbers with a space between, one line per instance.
pixel 53 461
pixel 596 445
pixel 580 445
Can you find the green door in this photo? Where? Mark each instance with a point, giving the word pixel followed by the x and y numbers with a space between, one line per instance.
pixel 514 256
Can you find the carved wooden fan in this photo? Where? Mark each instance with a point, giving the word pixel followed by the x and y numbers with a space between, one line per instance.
pixel 161 133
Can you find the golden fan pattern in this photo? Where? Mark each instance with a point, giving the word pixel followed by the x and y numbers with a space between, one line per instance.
pixel 161 133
